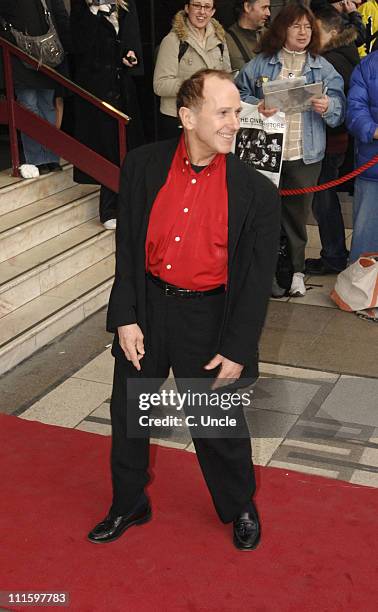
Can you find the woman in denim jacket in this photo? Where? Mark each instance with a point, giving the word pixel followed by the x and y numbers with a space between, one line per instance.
pixel 290 49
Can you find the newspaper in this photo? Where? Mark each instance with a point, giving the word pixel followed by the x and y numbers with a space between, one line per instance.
pixel 289 96
pixel 260 141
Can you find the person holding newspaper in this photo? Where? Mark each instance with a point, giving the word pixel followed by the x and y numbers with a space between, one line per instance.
pixel 289 49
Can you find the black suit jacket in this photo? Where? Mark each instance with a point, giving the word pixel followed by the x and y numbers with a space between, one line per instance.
pixel 253 233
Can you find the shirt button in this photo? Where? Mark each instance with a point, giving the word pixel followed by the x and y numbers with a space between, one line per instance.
pixel 186 210
pixel 168 266
pixel 177 238
pixel 187 163
pixel 194 181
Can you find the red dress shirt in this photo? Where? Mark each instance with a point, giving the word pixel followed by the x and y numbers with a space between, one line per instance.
pixel 187 236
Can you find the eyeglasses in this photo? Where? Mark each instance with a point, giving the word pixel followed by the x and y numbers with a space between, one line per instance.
pixel 300 27
pixel 208 8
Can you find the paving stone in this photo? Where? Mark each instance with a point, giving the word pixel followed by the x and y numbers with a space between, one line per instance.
pixel 98 428
pixel 68 404
pixel 288 318
pixel 353 400
pixel 269 424
pixel 263 449
pixel 283 395
pixel 293 372
pixel 49 367
pixel 102 412
pixel 100 369
pixel 306 469
pixel 370 455
pixel 365 478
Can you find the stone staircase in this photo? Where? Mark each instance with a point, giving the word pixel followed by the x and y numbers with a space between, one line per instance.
pixel 56 261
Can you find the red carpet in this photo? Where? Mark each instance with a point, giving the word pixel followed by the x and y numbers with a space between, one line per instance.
pixel 318 553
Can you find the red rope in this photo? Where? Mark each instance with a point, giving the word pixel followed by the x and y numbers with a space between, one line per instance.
pixel 341 179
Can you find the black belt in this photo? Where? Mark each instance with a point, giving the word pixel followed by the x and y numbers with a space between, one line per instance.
pixel 184 293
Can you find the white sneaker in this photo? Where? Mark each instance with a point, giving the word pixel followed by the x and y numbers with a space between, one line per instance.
pixel 110 224
pixel 29 171
pixel 297 288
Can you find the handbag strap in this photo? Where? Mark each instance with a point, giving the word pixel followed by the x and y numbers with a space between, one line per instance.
pixel 50 22
pixel 239 45
pixel 8 26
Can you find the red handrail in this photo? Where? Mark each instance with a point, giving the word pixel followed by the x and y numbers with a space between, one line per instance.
pixel 20 118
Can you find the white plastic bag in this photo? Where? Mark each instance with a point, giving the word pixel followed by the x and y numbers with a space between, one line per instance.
pixel 357 286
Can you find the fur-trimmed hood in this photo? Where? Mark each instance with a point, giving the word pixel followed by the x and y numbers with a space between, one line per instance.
pixel 343 39
pixel 342 53
pixel 180 28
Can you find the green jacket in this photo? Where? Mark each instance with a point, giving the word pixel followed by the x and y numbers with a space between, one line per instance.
pixel 249 40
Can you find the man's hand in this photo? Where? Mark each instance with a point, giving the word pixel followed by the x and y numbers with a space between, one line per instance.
pixel 267 112
pixel 320 105
pixel 131 342
pixel 229 370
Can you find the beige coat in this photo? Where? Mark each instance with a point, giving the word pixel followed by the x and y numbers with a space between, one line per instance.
pixel 169 73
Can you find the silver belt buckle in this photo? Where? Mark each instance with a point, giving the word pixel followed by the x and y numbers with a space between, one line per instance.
pixel 168 290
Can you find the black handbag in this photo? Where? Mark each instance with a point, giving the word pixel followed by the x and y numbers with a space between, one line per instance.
pixel 47 48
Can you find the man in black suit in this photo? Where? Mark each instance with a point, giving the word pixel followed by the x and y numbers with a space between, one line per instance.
pixel 197 238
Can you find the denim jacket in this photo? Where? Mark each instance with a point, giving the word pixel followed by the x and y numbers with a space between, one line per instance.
pixel 316 69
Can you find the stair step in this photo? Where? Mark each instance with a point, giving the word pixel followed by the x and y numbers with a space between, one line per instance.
pixel 34 272
pixel 23 229
pixel 39 321
pixel 16 193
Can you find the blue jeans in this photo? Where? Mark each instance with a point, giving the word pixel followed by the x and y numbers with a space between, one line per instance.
pixel 365 218
pixel 327 212
pixel 40 102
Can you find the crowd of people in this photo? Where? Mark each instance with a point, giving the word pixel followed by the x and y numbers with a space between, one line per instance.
pixel 321 40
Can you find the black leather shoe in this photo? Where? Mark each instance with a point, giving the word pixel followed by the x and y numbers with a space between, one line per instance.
pixel 43 169
pixel 318 267
pixel 55 167
pixel 247 531
pixel 112 527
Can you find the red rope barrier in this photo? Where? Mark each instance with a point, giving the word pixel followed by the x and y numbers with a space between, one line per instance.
pixel 341 179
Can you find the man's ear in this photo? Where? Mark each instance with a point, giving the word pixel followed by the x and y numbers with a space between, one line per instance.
pixel 187 117
pixel 334 32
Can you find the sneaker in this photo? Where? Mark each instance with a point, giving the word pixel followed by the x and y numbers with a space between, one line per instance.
pixel 29 171
pixel 297 288
pixel 110 224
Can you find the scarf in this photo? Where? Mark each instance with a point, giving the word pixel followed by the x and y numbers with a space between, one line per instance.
pixel 110 11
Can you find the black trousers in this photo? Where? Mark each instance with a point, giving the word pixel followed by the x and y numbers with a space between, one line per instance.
pixel 295 209
pixel 182 334
pixel 108 204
